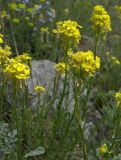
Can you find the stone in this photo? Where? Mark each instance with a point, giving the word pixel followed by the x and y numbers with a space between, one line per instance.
pixel 43 73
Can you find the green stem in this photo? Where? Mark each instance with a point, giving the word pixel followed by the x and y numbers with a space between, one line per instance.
pixel 96 44
pixel 86 98
pixel 15 119
pixel 79 120
pixel 2 91
pixel 56 84
pixel 14 40
pixel 60 146
pixel 64 87
pixel 117 129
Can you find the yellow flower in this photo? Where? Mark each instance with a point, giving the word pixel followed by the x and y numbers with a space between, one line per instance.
pixel 23 58
pixel 100 19
pixel 44 29
pixel 83 63
pixel 39 89
pixel 70 53
pixel 112 59
pixel 1 39
pixel 115 60
pixel 103 149
pixel 118 98
pixel 17 70
pixel 70 30
pixel 5 53
pixel 61 67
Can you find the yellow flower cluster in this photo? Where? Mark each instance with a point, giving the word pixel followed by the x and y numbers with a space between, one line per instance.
pixel 100 19
pixel 44 29
pixel 1 38
pixel 5 52
pixel 112 59
pixel 83 63
pixel 70 30
pixel 103 149
pixel 17 70
pixel 115 60
pixel 60 67
pixel 23 58
pixel 118 98
pixel 80 64
pixel 14 68
pixel 39 89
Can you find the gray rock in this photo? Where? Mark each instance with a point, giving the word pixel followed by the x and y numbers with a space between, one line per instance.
pixel 43 73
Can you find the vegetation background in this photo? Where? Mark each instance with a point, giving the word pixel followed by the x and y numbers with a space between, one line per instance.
pixel 27 26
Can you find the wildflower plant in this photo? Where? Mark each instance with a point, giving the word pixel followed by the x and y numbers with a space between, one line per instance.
pixel 61 68
pixel 115 60
pixel 103 149
pixel 69 30
pixel 1 38
pixel 83 63
pixel 77 65
pixel 118 98
pixel 14 72
pixel 112 59
pixel 100 20
pixel 5 51
pixel 81 117
pixel 23 58
pixel 14 67
pixel 104 152
pixel 39 89
pixel 17 70
pixel 101 24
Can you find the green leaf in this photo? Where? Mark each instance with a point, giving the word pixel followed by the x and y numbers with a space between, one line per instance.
pixel 37 152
